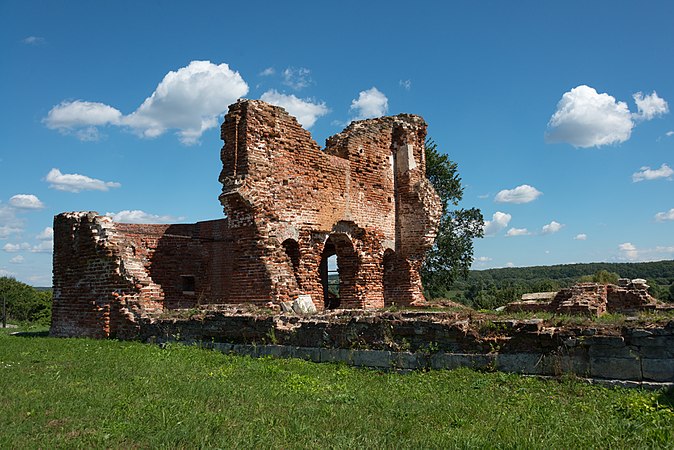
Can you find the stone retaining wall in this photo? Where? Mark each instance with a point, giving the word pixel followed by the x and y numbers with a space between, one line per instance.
pixel 437 341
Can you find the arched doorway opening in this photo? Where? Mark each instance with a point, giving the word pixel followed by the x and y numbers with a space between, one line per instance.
pixel 337 271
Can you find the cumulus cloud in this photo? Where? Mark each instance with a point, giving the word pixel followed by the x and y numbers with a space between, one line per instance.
pixel 585 118
pixel 13 248
pixel 517 232
pixel 369 104
pixel 297 78
pixel 73 182
pixel 18 259
pixel 649 106
pixel 267 72
pixel 70 115
pixel 520 194
pixel 669 133
pixel 646 173
pixel 189 100
pixel 499 221
pixel 483 259
pixel 306 111
pixel 46 246
pixel 33 40
pixel 581 237
pixel 665 215
pixel 9 222
pixel 138 216
pixel 628 250
pixel 46 235
pixel 552 227
pixel 26 201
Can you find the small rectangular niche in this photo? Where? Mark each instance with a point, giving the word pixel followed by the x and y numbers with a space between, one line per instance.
pixel 188 284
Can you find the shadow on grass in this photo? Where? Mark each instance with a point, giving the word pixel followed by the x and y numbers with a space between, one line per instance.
pixel 666 398
pixel 31 334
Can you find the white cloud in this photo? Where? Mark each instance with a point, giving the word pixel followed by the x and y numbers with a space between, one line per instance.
pixel 665 215
pixel 646 173
pixel 552 227
pixel 9 222
pixel 510 264
pixel 189 100
pixel 6 273
pixel 33 40
pixel 46 235
pixel 18 259
pixel 650 106
pixel 8 230
pixel 267 72
pixel 581 237
pixel 13 248
pixel 517 232
pixel 138 216
pixel 81 118
pixel 499 221
pixel 406 84
pixel 629 250
pixel 669 133
pixel 26 201
pixel 306 111
pixel 369 104
pixel 46 246
pixel 73 182
pixel 483 259
pixel 585 118
pixel 521 194
pixel 297 78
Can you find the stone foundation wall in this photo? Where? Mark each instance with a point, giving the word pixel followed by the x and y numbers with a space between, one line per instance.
pixel 427 340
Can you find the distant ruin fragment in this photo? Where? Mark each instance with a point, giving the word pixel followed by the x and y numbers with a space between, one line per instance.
pixel 289 206
pixel 591 299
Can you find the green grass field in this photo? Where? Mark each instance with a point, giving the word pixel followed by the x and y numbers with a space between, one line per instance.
pixel 78 393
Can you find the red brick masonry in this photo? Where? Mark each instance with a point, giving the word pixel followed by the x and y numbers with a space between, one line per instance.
pixel 288 207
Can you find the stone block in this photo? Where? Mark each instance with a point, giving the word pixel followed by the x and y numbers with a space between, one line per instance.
pixel 304 305
pixel 616 368
pixel 451 361
pixel 336 355
pixel 379 359
pixel 312 354
pixel 525 363
pixel 658 369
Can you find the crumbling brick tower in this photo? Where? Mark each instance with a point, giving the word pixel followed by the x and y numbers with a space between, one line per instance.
pixel 289 207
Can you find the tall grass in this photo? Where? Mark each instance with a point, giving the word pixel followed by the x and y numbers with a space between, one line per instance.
pixel 69 393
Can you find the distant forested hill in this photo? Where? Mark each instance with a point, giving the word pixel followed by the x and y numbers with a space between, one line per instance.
pixel 568 273
pixel 495 287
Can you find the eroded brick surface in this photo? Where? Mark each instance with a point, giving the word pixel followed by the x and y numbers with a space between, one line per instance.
pixel 593 299
pixel 288 206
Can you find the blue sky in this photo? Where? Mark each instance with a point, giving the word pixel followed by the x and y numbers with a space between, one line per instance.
pixel 558 113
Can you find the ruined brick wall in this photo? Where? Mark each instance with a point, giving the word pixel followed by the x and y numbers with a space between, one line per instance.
pixel 366 193
pixel 594 299
pixel 108 275
pixel 289 205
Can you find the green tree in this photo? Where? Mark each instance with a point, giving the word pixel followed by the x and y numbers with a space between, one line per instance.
pixel 25 303
pixel 452 253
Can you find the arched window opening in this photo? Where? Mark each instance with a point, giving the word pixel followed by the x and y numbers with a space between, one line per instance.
pixel 292 249
pixel 329 272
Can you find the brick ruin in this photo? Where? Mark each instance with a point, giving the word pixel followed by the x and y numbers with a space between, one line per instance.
pixel 592 299
pixel 289 207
